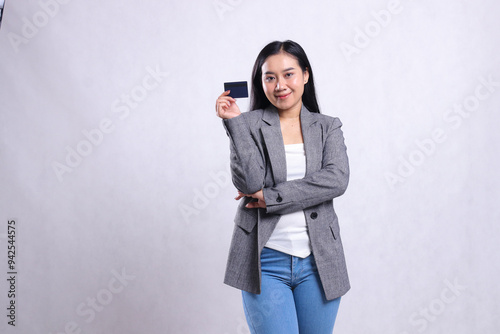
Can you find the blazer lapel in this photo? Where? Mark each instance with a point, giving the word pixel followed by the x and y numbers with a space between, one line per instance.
pixel 312 141
pixel 271 131
pixel 273 139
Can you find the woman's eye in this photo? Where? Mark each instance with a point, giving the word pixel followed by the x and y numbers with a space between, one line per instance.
pixel 269 78
pixel 288 75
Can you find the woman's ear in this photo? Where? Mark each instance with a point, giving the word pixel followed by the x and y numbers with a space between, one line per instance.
pixel 306 75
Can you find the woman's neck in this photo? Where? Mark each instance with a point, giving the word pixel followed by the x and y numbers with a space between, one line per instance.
pixel 291 113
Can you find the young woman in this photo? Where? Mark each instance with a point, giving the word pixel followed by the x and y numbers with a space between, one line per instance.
pixel 288 162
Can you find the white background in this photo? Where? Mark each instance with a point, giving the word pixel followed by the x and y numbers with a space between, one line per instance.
pixel 151 198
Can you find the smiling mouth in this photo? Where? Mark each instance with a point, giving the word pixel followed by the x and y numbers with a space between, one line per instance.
pixel 282 97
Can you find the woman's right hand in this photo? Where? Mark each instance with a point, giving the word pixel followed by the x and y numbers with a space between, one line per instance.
pixel 226 107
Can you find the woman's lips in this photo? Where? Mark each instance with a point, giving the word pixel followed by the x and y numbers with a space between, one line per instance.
pixel 282 97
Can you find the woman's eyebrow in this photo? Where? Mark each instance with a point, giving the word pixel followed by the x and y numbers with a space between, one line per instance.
pixel 285 70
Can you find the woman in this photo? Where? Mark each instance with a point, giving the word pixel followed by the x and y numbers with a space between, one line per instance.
pixel 288 162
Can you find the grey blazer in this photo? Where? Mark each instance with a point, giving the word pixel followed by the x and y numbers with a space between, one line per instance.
pixel 258 162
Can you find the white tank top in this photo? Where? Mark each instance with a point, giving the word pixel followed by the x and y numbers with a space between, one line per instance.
pixel 290 235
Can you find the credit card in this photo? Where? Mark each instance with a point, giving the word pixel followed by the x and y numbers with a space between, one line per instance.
pixel 238 89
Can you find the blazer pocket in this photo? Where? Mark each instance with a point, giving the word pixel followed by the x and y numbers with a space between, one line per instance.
pixel 333 233
pixel 247 224
pixel 246 218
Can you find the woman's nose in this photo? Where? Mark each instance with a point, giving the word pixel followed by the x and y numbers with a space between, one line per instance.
pixel 279 85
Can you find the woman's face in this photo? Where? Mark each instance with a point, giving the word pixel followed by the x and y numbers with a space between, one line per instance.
pixel 283 81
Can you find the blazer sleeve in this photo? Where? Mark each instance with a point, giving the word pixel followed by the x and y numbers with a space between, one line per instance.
pixel 329 182
pixel 247 161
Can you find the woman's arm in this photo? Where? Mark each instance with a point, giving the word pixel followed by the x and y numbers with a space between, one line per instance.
pixel 247 161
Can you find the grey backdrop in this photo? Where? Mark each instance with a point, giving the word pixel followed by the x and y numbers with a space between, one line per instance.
pixel 115 168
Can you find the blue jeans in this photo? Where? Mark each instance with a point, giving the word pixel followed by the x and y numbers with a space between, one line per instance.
pixel 292 300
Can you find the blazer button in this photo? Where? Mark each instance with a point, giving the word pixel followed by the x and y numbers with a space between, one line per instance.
pixel 279 199
pixel 314 215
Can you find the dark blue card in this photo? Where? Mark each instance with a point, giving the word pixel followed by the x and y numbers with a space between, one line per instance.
pixel 238 89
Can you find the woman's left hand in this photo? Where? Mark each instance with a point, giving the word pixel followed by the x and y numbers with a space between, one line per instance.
pixel 261 203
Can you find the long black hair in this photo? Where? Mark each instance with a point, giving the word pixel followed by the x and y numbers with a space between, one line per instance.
pixel 258 97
